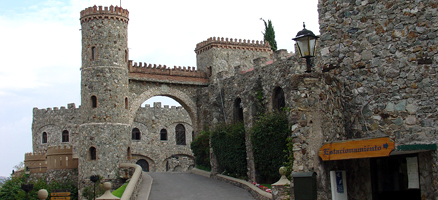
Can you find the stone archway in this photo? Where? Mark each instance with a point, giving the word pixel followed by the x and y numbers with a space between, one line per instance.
pixel 182 98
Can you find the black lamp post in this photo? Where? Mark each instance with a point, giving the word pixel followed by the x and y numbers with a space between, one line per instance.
pixel 94 178
pixel 27 189
pixel 306 43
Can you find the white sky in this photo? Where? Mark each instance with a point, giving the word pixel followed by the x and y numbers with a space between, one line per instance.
pixel 41 45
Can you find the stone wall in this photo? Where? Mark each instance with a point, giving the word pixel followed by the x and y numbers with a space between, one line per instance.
pixel 150 121
pixel 386 55
pixel 54 121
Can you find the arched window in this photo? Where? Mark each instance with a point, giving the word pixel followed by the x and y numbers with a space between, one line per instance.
pixel 135 134
pixel 92 153
pixel 44 138
pixel 126 103
pixel 93 53
pixel 278 102
pixel 238 110
pixel 65 136
pixel 93 101
pixel 180 134
pixel 163 134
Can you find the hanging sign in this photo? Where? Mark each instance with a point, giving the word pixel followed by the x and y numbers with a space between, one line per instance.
pixel 378 147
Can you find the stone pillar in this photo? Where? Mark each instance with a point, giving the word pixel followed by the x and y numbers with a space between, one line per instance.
pixel 280 189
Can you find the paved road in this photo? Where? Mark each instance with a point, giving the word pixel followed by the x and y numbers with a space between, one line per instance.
pixel 187 186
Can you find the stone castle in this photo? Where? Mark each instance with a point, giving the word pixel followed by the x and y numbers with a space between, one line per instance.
pixel 374 77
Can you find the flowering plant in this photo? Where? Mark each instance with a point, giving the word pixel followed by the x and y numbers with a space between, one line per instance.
pixel 262 187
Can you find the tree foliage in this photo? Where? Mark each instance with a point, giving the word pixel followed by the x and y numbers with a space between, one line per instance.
pixel 201 150
pixel 269 141
pixel 228 143
pixel 269 34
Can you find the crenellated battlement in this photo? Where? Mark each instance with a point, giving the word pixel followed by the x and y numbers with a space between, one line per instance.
pixel 162 72
pixel 35 156
pixel 99 12
pixel 60 149
pixel 158 105
pixel 36 162
pixel 70 107
pixel 250 45
pixel 61 157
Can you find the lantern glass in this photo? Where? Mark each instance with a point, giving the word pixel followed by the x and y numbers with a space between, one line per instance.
pixel 306 46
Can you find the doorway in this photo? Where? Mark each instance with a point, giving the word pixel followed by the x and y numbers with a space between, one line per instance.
pixel 390 177
pixel 143 164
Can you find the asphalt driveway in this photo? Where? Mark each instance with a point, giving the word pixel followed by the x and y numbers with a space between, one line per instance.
pixel 187 186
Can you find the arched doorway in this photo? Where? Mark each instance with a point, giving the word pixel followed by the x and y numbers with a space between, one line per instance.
pixel 143 164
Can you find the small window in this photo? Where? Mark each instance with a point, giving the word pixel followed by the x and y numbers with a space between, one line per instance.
pixel 163 134
pixel 129 153
pixel 126 55
pixel 180 134
pixel 92 153
pixel 135 134
pixel 65 136
pixel 93 101
pixel 44 138
pixel 93 53
pixel 238 110
pixel 126 103
pixel 278 100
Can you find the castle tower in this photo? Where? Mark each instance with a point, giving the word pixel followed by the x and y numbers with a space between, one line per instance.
pixel 104 134
pixel 219 55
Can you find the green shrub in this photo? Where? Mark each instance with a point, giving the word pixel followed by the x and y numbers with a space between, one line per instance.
pixel 11 190
pixel 228 143
pixel 269 142
pixel 201 150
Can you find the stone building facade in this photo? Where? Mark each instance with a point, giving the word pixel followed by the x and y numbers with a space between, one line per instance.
pixel 375 76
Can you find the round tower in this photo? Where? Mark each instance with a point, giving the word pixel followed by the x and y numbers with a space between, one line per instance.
pixel 104 135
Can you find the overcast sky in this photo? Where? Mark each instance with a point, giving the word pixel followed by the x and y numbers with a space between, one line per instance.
pixel 41 48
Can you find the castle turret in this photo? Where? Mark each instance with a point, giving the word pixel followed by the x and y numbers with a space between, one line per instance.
pixel 219 55
pixel 104 131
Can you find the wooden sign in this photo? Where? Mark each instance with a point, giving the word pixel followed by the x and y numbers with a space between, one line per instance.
pixel 60 198
pixel 352 149
pixel 60 194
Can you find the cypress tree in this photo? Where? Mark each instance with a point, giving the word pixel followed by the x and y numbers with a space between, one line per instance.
pixel 269 34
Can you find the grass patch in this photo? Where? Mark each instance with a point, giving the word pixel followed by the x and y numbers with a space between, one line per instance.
pixel 267 185
pixel 120 190
pixel 203 168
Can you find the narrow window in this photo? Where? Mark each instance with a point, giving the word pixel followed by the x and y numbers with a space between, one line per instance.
pixel 44 138
pixel 163 134
pixel 126 55
pixel 93 101
pixel 135 134
pixel 65 136
pixel 93 53
pixel 126 102
pixel 129 153
pixel 180 134
pixel 92 153
pixel 238 110
pixel 278 99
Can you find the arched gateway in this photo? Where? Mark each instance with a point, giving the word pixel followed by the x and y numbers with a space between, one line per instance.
pixel 179 84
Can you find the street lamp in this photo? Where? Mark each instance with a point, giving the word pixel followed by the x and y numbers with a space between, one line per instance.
pixel 306 43
pixel 94 178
